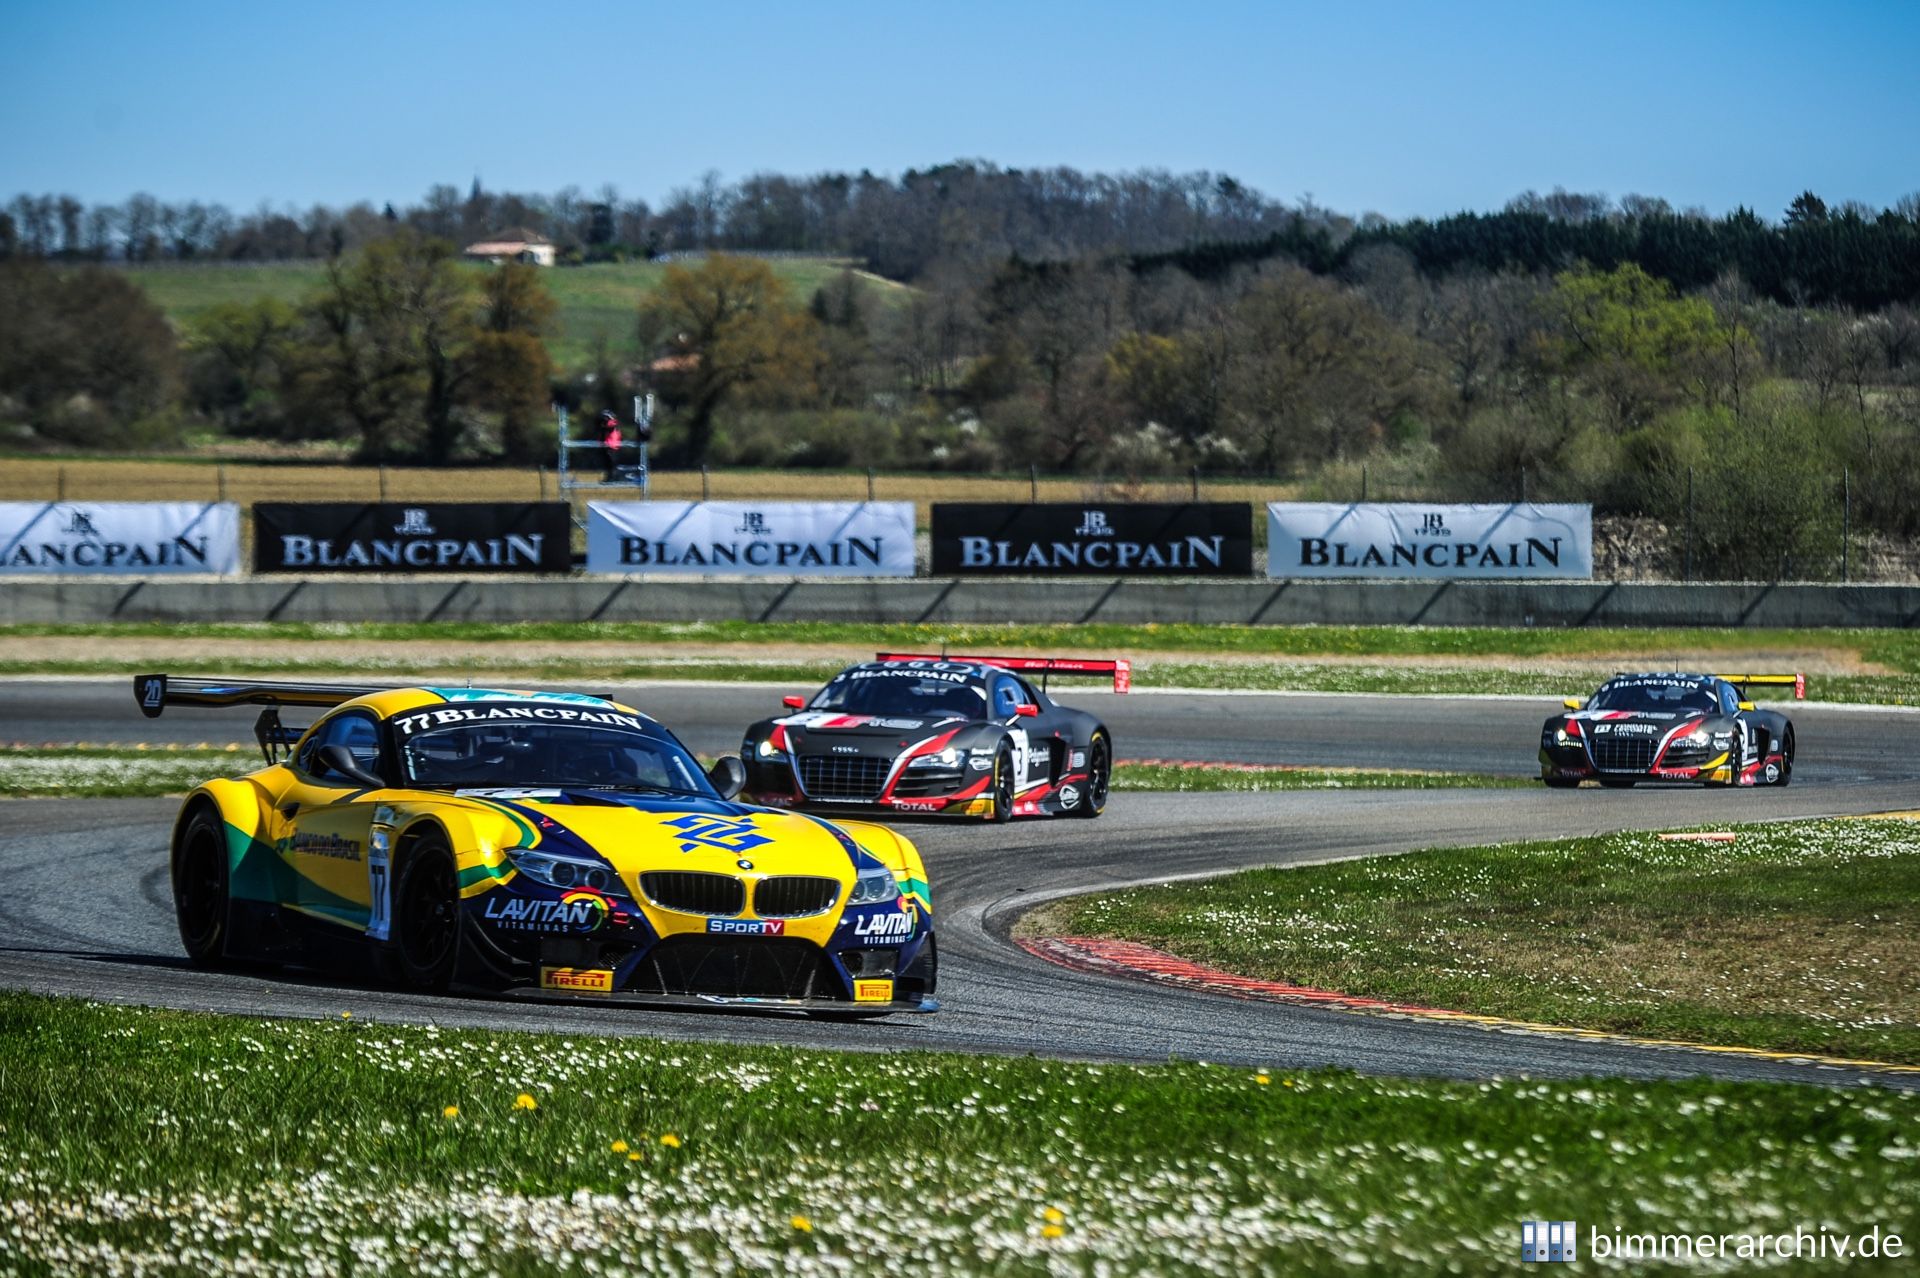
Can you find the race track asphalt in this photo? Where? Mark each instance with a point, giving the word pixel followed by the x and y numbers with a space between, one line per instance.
pixel 87 910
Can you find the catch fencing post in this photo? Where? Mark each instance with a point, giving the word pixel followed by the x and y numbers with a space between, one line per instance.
pixel 61 490
pixel 1686 569
pixel 383 481
pixel 1363 481
pixel 1195 476
pixel 1846 523
pixel 869 483
pixel 1033 482
pixel 220 481
pixel 706 484
pixel 543 481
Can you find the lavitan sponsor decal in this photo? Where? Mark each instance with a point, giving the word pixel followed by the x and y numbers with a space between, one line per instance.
pixel 1413 539
pixel 463 537
pixel 733 538
pixel 109 538
pixel 1186 539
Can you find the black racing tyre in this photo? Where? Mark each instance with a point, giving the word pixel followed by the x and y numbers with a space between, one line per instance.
pixel 1618 783
pixel 1786 760
pixel 200 888
pixel 923 974
pixel 1001 787
pixel 1562 783
pixel 425 945
pixel 1099 778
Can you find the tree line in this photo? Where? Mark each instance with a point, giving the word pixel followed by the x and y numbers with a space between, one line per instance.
pixel 1758 428
pixel 902 227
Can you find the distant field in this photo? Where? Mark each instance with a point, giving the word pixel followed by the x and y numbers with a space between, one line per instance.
pixel 199 479
pixel 596 301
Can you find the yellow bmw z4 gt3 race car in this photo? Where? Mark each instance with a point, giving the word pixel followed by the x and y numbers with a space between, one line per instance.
pixel 532 842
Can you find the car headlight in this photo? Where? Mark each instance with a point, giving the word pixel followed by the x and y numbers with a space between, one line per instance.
pixel 565 871
pixel 1560 737
pixel 870 887
pixel 1698 737
pixel 947 758
pixel 767 749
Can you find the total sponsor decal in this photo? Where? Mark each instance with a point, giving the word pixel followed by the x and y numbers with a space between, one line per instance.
pixel 916 805
pixel 747 927
pixel 579 910
pixel 577 980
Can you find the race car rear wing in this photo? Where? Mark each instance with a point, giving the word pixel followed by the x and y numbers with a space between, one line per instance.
pixel 155 692
pixel 1798 682
pixel 1120 668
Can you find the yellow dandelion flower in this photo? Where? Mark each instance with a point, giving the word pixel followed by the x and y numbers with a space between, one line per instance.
pixel 1264 1079
pixel 346 1016
pixel 1054 1215
pixel 802 1224
pixel 1286 1082
pixel 670 1141
pixel 619 1147
pixel 524 1101
pixel 633 1157
pixel 451 1111
pixel 1053 1231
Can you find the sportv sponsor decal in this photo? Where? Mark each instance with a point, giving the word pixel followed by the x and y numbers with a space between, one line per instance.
pixel 835 539
pixel 1407 539
pixel 747 927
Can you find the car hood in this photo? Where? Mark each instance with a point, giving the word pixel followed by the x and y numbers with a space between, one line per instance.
pixel 636 833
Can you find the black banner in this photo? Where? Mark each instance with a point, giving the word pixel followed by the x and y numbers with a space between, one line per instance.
pixel 1116 539
pixel 463 537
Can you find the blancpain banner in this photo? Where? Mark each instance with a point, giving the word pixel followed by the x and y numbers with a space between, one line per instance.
pixel 119 538
pixel 1414 539
pixel 738 538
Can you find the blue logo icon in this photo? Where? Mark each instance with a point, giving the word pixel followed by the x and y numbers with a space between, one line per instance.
pixel 1548 1240
pixel 716 832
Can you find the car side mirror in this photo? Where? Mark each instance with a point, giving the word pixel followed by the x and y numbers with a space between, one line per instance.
pixel 1028 711
pixel 728 774
pixel 340 759
pixel 1571 703
pixel 1746 705
pixel 793 703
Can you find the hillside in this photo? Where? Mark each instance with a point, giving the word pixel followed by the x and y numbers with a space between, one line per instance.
pixel 596 301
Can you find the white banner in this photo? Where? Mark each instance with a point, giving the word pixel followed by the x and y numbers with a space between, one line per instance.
pixel 1414 539
pixel 119 538
pixel 739 538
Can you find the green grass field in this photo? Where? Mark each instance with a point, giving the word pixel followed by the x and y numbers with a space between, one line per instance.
pixel 1797 937
pixel 174 1143
pixel 597 302
pixel 1410 660
pixel 97 772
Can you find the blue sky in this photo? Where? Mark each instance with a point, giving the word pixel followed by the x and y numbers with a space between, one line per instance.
pixel 1399 108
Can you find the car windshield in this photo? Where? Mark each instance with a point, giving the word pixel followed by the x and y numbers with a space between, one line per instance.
pixel 914 693
pixel 477 755
pixel 1665 694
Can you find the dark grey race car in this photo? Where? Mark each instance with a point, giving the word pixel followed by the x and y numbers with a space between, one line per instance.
pixel 959 736
pixel 1670 727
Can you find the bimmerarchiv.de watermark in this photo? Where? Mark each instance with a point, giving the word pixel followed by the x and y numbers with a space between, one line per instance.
pixel 1550 1241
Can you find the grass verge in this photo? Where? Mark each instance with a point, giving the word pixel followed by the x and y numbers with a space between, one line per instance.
pixel 126 772
pixel 1796 937
pixel 194 1143
pixel 1297 658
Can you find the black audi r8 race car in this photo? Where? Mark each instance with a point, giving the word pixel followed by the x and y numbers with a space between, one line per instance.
pixel 961 736
pixel 1670 727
